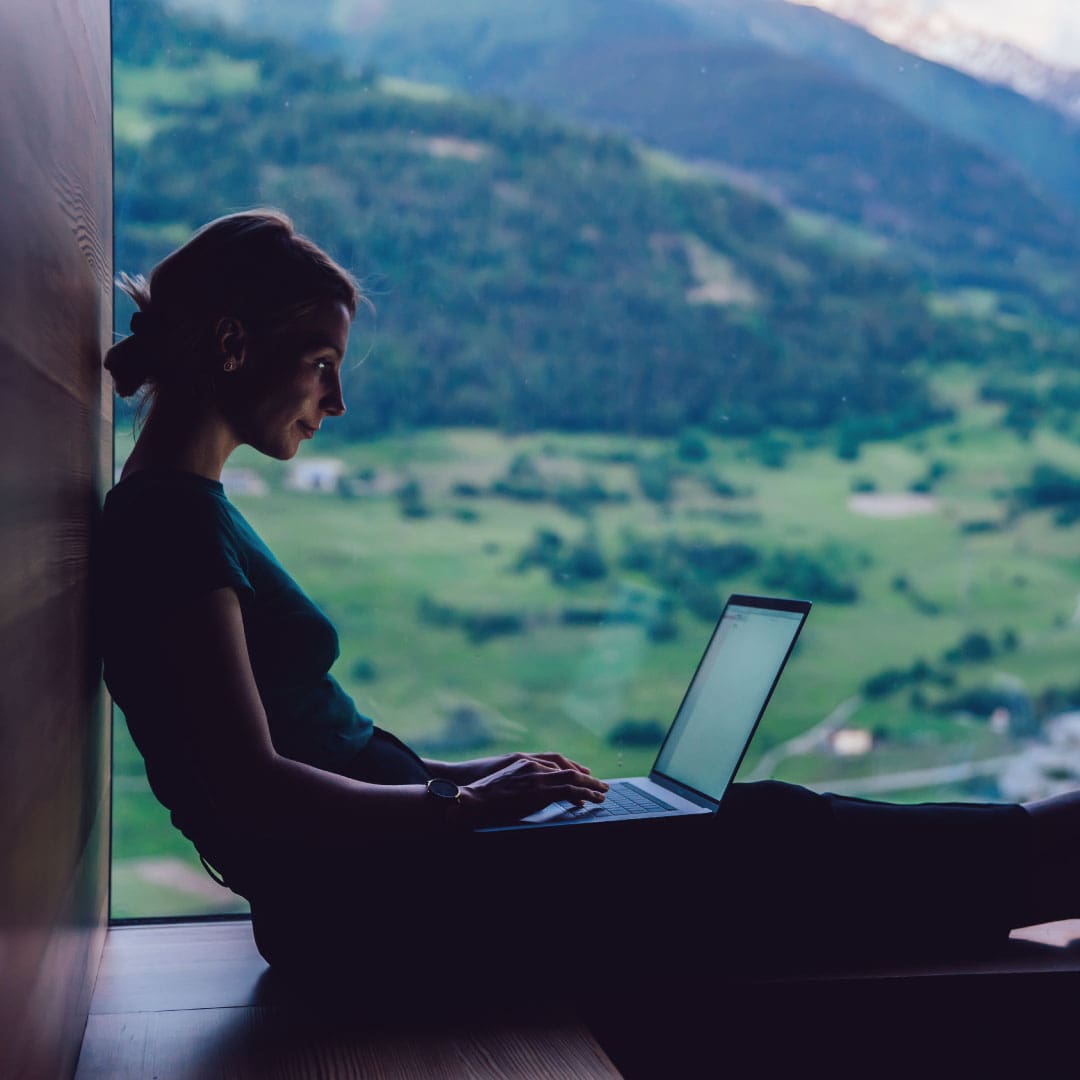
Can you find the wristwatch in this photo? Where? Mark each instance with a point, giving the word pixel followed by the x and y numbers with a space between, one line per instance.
pixel 445 791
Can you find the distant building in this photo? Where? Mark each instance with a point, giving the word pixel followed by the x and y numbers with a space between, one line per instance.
pixel 243 482
pixel 851 742
pixel 321 475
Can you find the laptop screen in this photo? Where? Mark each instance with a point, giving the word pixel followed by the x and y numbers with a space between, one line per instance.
pixel 729 693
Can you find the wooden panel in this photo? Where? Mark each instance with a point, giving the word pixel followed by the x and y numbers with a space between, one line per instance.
pixel 55 321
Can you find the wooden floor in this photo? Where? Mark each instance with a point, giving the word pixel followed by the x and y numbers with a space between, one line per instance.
pixel 195 1001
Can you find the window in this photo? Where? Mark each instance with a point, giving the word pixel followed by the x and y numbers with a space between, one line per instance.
pixel 663 314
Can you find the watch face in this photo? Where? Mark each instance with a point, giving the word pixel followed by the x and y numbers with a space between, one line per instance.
pixel 445 789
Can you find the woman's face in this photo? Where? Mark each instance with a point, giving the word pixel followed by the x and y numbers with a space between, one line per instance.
pixel 293 382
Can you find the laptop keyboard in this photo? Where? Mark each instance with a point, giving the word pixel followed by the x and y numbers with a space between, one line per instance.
pixel 622 798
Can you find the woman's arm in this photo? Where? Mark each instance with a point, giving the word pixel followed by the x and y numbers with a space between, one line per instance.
pixel 253 785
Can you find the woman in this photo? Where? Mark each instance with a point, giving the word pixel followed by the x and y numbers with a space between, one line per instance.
pixel 333 829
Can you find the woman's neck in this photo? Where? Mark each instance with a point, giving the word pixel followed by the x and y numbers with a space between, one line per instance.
pixel 195 442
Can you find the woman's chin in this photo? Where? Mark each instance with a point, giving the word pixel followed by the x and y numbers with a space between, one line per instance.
pixel 285 450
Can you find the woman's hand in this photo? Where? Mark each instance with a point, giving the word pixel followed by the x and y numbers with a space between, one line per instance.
pixel 527 784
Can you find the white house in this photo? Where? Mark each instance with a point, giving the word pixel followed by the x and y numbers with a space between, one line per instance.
pixel 321 475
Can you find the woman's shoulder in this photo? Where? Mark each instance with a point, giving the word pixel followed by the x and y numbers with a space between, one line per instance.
pixel 158 489
pixel 166 503
pixel 162 478
pixel 168 524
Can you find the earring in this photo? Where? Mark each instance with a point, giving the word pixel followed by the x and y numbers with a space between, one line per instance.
pixel 230 364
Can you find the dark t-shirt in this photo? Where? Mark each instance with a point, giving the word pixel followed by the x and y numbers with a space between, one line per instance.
pixel 168 537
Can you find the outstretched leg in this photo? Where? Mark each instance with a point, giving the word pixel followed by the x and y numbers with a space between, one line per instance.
pixel 1054 881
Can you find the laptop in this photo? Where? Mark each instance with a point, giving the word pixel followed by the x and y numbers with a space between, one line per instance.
pixel 713 726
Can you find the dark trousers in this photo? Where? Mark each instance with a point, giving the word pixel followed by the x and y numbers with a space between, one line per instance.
pixel 779 876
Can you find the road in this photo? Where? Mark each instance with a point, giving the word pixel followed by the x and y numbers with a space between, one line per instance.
pixel 934 776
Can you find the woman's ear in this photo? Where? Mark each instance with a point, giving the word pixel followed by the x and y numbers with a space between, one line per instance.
pixel 231 342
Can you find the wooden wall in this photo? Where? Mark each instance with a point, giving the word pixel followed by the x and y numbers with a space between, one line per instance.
pixel 55 320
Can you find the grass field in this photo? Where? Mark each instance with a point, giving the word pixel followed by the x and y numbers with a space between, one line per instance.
pixel 566 687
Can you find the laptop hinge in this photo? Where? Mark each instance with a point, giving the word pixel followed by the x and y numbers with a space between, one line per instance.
pixel 686 792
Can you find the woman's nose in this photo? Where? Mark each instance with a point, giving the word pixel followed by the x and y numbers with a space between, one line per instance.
pixel 333 404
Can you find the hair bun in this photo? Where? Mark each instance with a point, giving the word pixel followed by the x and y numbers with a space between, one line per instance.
pixel 146 325
pixel 130 363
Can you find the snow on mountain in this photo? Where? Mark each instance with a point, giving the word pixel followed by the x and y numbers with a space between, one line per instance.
pixel 946 39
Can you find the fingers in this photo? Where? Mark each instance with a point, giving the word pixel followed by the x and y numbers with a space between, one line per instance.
pixel 597 794
pixel 550 773
pixel 575 765
pixel 575 786
pixel 560 762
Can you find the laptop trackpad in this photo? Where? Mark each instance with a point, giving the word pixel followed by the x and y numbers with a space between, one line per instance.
pixel 560 810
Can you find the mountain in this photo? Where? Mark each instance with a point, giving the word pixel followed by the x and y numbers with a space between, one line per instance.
pixel 527 272
pixel 980 186
pixel 948 40
pixel 1038 141
pixel 860 42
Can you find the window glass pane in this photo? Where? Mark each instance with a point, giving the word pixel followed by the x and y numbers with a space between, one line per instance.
pixel 670 304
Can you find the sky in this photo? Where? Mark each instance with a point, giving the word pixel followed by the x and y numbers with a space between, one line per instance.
pixel 1049 28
